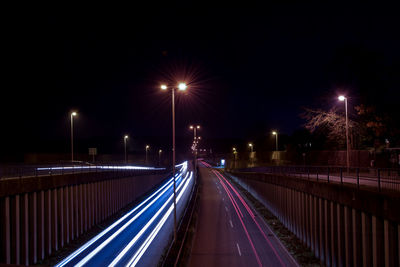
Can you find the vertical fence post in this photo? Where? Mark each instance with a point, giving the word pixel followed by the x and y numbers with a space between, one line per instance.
pixel 308 173
pixel 328 175
pixel 379 180
pixel 341 176
pixel 358 178
pixel 317 175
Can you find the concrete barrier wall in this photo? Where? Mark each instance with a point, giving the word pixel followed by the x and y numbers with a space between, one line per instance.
pixel 44 217
pixel 342 228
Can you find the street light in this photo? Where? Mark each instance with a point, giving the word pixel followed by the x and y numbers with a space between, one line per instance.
pixel 181 87
pixel 276 139
pixel 251 147
pixel 251 154
pixel 73 114
pixel 125 138
pixel 343 98
pixel 159 156
pixel 234 153
pixel 147 149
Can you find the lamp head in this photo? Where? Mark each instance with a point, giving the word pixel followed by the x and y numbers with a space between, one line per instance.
pixel 341 97
pixel 182 86
pixel 163 87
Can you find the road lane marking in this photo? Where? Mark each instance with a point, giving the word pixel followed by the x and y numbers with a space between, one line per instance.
pixel 240 253
pixel 231 223
pixel 226 208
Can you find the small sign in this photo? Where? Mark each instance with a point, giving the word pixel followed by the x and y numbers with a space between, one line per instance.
pixel 222 162
pixel 92 151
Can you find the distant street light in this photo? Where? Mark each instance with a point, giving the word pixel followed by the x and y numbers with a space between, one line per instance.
pixel 125 138
pixel 147 149
pixel 195 138
pixel 343 98
pixel 73 114
pixel 181 87
pixel 159 156
pixel 251 147
pixel 276 139
pixel 251 154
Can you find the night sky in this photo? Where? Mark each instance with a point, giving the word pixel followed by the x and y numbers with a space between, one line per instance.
pixel 250 69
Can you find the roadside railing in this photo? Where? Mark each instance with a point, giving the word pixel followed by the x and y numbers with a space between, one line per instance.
pixel 378 178
pixel 25 171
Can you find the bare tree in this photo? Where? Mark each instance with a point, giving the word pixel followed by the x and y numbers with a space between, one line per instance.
pixel 331 124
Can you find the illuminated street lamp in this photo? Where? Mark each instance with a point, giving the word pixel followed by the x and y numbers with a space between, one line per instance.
pixel 181 87
pixel 147 149
pixel 234 153
pixel 159 156
pixel 276 139
pixel 251 147
pixel 73 114
pixel 125 138
pixel 251 154
pixel 343 98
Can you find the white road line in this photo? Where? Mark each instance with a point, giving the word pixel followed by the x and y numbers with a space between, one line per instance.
pixel 231 223
pixel 237 245
pixel 226 208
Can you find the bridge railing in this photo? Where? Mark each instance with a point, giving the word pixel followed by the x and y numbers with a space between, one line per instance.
pixel 376 178
pixel 25 171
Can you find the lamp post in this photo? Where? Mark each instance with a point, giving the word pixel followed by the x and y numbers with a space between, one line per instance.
pixel 343 98
pixel 147 149
pixel 276 139
pixel 181 87
pixel 73 114
pixel 159 156
pixel 234 156
pixel 194 128
pixel 125 138
pixel 251 147
pixel 251 154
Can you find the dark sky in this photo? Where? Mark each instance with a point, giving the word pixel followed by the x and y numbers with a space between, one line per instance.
pixel 250 69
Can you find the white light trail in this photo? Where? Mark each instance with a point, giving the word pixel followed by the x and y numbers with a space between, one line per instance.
pixel 138 235
pixel 139 253
pixel 110 238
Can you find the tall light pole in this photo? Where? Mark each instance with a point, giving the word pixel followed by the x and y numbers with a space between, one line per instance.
pixel 159 156
pixel 181 87
pixel 343 98
pixel 125 138
pixel 73 114
pixel 147 149
pixel 251 154
pixel 194 128
pixel 234 156
pixel 251 147
pixel 276 139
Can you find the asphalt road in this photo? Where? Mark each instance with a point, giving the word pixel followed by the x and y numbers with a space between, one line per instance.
pixel 229 231
pixel 132 239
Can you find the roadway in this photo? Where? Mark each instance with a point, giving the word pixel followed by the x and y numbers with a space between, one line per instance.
pixel 229 231
pixel 134 238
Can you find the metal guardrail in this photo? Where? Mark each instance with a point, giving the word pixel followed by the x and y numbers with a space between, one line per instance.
pixel 25 171
pixel 377 178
